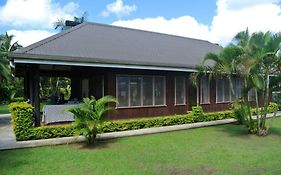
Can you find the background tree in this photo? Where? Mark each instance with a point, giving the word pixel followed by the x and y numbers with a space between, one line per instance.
pixel 9 85
pixel 60 23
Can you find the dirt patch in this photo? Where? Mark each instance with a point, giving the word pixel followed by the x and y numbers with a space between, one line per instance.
pixel 206 170
pixel 179 171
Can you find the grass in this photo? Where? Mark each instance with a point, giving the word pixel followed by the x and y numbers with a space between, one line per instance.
pixel 225 149
pixel 4 109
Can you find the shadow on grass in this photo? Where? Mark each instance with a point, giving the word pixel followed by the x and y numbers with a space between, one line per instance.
pixel 274 131
pixel 235 130
pixel 100 144
pixel 11 159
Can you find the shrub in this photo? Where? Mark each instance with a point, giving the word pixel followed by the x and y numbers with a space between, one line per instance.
pixel 197 112
pixel 18 99
pixel 22 119
pixel 272 107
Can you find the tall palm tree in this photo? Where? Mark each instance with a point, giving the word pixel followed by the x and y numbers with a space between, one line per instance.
pixel 60 24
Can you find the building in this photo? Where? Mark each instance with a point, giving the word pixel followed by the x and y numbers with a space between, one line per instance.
pixel 147 72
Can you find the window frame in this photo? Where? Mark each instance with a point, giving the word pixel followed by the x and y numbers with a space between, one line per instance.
pixel 153 91
pixel 184 90
pixel 201 88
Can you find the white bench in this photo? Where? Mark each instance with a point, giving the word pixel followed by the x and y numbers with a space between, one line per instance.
pixel 57 113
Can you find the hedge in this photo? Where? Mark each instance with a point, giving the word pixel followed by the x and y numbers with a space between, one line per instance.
pixel 22 120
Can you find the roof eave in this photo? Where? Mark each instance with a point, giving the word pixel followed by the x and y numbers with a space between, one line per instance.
pixel 104 65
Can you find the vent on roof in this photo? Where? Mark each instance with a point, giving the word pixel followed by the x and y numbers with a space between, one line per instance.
pixel 71 23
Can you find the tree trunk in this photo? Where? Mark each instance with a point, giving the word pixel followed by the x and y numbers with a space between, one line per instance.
pixel 257 110
pixel 265 104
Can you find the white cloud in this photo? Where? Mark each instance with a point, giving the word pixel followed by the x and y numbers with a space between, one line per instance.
pixel 184 26
pixel 35 13
pixel 27 37
pixel 232 16
pixel 119 9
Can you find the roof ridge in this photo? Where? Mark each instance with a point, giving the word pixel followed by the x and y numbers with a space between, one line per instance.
pixel 147 31
pixel 53 37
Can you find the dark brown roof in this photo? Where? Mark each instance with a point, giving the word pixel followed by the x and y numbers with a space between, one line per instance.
pixel 100 43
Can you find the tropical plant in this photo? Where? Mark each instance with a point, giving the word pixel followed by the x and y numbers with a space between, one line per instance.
pixel 60 23
pixel 89 115
pixel 219 65
pixel 261 58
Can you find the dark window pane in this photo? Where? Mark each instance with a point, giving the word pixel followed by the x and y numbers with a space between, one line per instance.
pixel 135 91
pixel 159 90
pixel 147 91
pixel 122 91
pixel 180 90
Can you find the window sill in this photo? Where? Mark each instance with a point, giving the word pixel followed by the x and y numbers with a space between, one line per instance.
pixel 224 102
pixel 132 107
pixel 205 103
pixel 180 104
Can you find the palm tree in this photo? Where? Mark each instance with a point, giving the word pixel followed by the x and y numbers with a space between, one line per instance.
pixel 6 46
pixel 60 24
pixel 224 65
pixel 89 115
pixel 260 59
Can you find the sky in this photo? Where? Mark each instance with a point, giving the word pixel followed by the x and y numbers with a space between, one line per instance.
pixel 216 21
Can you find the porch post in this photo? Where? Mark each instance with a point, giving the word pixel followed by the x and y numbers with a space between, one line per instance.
pixel 33 81
pixel 26 85
pixel 36 96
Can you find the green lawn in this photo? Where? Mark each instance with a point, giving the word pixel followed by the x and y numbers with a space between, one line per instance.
pixel 226 149
pixel 4 109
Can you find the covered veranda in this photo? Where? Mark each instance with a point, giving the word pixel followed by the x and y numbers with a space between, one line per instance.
pixel 85 82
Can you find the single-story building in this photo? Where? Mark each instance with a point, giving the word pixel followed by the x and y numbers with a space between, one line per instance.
pixel 147 72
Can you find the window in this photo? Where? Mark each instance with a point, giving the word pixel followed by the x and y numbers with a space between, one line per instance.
pixel 85 88
pixel 204 91
pixel 137 91
pixel 237 86
pixel 179 90
pixel 222 91
pixel 159 90
pixel 147 84
pixel 123 91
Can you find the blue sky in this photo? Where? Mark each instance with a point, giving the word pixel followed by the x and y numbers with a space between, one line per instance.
pixel 213 20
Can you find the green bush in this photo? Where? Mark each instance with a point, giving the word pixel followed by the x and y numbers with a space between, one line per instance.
pixel 197 112
pixel 22 119
pixel 18 99
pixel 272 107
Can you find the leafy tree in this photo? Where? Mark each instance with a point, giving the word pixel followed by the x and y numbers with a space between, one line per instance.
pixel 89 115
